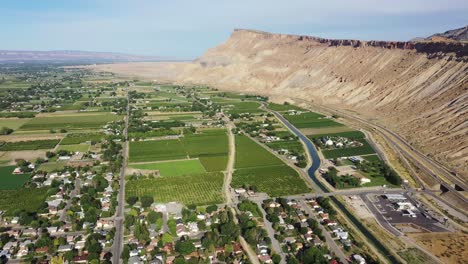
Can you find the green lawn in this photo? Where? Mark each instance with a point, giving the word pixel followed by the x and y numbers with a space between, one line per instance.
pixel 29 145
pixel 197 189
pixel 9 181
pixel 29 199
pixel 70 121
pixel 371 158
pixel 77 138
pixel 173 168
pixel 52 166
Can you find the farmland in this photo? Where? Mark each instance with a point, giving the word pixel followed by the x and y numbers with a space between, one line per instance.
pixel 22 199
pixel 77 121
pixel 74 147
pixel 173 168
pixel 284 107
pixel 155 150
pixel 29 145
pixel 347 134
pixel 77 138
pixel 275 180
pixel 255 166
pixel 348 152
pixel 9 181
pixel 310 120
pixel 197 189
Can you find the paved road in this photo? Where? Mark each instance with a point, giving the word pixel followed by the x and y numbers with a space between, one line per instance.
pixel 73 193
pixel 119 215
pixel 337 250
pixel 271 233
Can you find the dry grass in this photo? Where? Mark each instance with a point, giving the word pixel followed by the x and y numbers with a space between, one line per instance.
pixel 449 247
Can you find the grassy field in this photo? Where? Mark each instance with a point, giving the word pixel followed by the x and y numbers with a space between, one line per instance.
pixel 275 180
pixel 241 107
pixel 9 181
pixel 197 189
pixel 95 120
pixel 348 152
pixel 291 145
pixel 258 167
pixel 77 138
pixel 310 120
pixel 250 154
pixel 13 123
pixel 173 168
pixel 75 147
pixel 371 158
pixel 211 147
pixel 52 166
pixel 29 145
pixel 347 134
pixel 155 150
pixel 22 199
pixel 283 107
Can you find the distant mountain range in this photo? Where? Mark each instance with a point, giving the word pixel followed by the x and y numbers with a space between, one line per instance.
pixel 459 34
pixel 73 56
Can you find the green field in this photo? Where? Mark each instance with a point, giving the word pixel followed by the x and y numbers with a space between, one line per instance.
pixel 284 107
pixel 371 158
pixel 155 150
pixel 211 147
pixel 52 166
pixel 74 148
pixel 29 145
pixel 274 180
pixel 197 189
pixel 77 138
pixel 256 166
pixel 29 199
pixel 13 123
pixel 347 134
pixel 70 121
pixel 348 152
pixel 241 107
pixel 310 120
pixel 173 168
pixel 250 154
pixel 291 145
pixel 9 181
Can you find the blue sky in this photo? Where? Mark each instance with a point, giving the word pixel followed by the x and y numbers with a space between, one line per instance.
pixel 185 29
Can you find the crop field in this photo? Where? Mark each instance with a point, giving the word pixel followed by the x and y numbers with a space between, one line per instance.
pixel 173 168
pixel 371 158
pixel 22 199
pixel 29 145
pixel 211 147
pixel 13 123
pixel 242 107
pixel 347 134
pixel 197 189
pixel 77 138
pixel 250 154
pixel 9 181
pixel 275 180
pixel 348 152
pixel 74 147
pixel 283 107
pixel 155 150
pixel 310 120
pixel 258 167
pixel 291 145
pixel 78 121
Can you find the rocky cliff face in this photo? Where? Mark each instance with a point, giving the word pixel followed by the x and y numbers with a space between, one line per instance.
pixel 420 92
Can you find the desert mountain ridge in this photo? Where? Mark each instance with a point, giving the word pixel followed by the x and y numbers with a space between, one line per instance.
pixel 417 89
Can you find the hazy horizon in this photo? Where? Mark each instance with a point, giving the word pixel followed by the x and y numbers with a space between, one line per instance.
pixel 185 29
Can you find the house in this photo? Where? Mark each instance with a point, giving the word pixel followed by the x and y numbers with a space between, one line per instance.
pixel 265 258
pixel 17 171
pixel 289 240
pixel 135 260
pixel 307 237
pixel 317 242
pixel 359 259
pixel 239 190
pixel 29 232
pixel 262 247
pixel 237 248
pixel 42 250
pixel 15 220
pixel 65 248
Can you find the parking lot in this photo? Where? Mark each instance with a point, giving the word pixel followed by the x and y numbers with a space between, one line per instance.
pixel 394 217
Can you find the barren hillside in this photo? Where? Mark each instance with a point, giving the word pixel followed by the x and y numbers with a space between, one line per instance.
pixel 417 90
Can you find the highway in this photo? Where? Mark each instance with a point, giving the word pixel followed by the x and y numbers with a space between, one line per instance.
pixel 119 215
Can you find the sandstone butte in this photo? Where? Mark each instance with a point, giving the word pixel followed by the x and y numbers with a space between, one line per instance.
pixel 419 90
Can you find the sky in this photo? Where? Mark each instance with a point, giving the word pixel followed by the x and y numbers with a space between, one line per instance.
pixel 186 28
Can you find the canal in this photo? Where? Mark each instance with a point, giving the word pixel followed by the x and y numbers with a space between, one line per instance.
pixel 311 172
